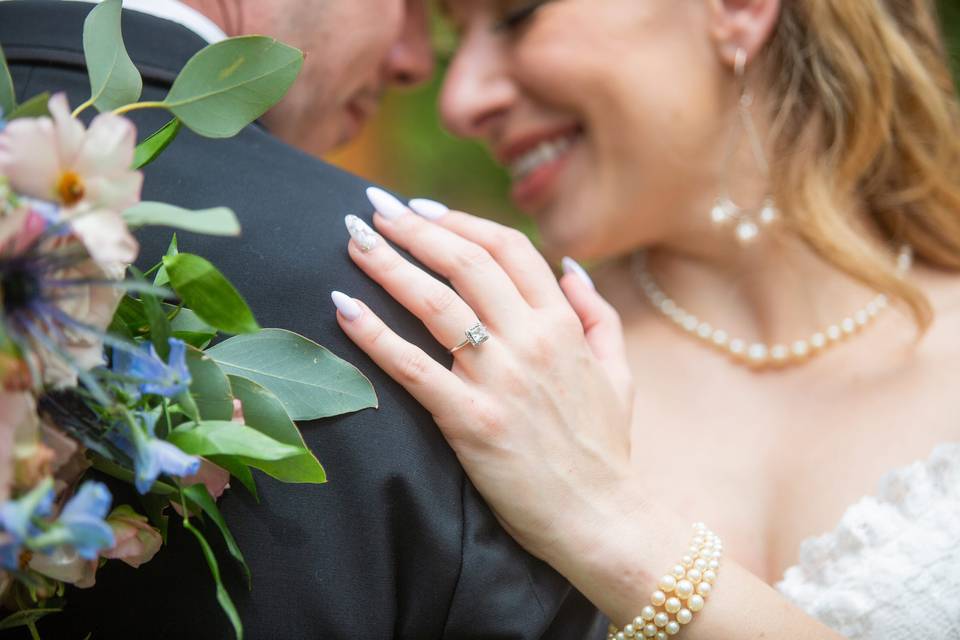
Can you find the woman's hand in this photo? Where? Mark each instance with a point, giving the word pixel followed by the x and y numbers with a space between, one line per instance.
pixel 539 415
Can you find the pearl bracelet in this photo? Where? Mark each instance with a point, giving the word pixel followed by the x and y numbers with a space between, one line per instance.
pixel 681 592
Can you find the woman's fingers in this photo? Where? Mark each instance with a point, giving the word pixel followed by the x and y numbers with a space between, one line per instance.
pixel 441 310
pixel 433 385
pixel 469 267
pixel 511 249
pixel 601 326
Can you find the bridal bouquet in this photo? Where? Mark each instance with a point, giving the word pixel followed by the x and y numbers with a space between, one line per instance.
pixel 110 372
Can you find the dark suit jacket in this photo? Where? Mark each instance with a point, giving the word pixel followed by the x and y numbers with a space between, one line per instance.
pixel 397 543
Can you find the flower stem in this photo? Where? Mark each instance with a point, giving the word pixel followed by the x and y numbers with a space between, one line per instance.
pixel 83 107
pixel 138 105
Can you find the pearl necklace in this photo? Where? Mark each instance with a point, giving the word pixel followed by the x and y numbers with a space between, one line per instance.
pixel 759 354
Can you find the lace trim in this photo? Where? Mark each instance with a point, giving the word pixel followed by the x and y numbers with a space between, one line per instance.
pixel 892 564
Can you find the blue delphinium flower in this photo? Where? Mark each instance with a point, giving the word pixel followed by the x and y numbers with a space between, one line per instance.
pixel 17 521
pixel 151 455
pixel 152 374
pixel 83 518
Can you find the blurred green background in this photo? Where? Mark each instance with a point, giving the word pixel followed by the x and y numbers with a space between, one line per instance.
pixel 406 149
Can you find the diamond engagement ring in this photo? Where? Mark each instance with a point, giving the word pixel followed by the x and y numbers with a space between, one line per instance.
pixel 476 335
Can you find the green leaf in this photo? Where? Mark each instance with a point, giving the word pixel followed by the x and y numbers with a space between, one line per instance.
pixel 239 470
pixel 160 331
pixel 209 387
pixel 223 597
pixel 162 278
pixel 265 413
pixel 229 438
pixel 35 107
pixel 199 494
pixel 211 296
pixel 228 85
pixel 219 221
pixel 309 380
pixel 114 79
pixel 151 148
pixel 25 617
pixel 8 98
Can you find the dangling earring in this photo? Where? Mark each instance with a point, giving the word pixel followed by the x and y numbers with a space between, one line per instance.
pixel 748 221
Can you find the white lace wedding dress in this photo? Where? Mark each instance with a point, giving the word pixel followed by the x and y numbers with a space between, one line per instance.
pixel 891 568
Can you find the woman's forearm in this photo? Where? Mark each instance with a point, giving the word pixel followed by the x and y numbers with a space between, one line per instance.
pixel 619 567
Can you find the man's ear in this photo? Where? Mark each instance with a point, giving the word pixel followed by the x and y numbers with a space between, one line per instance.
pixel 742 24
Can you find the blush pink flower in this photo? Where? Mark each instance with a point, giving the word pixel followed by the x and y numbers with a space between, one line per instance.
pixel 66 565
pixel 137 540
pixel 86 172
pixel 19 427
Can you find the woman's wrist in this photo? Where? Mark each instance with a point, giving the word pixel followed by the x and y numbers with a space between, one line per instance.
pixel 618 548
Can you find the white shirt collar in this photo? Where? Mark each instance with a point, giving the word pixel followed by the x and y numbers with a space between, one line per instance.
pixel 178 12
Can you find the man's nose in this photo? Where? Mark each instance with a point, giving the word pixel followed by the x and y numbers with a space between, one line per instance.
pixel 410 60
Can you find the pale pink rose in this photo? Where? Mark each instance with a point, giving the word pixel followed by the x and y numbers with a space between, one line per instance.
pixel 65 565
pixel 84 171
pixel 137 541
pixel 69 456
pixel 18 431
pixel 215 478
pixel 238 411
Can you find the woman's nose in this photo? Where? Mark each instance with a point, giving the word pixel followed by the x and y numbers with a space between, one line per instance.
pixel 478 90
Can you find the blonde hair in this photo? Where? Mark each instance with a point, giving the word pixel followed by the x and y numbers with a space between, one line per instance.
pixel 867 120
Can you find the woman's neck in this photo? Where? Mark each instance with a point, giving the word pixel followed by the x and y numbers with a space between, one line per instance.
pixel 775 290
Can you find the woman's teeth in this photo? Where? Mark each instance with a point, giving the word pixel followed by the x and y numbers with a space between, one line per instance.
pixel 544 153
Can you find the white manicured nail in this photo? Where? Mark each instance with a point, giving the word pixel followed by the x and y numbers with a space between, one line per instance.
pixel 571 266
pixel 388 206
pixel 365 237
pixel 429 209
pixel 346 305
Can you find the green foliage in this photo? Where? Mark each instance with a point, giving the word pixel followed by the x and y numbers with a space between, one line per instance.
pixel 309 380
pixel 228 85
pixel 25 617
pixel 265 413
pixel 8 99
pixel 151 148
pixel 223 597
pixel 219 221
pixel 114 79
pixel 35 107
pixel 209 387
pixel 198 494
pixel 209 294
pixel 227 438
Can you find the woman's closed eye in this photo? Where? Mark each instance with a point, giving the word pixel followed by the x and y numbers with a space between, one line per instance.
pixel 518 17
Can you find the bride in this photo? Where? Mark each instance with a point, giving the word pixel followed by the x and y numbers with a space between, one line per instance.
pixel 771 194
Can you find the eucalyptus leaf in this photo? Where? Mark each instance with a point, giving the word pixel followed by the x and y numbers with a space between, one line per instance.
pixel 219 221
pixel 151 148
pixel 8 98
pixel 211 438
pixel 114 79
pixel 209 387
pixel 35 107
pixel 199 494
pixel 265 413
pixel 309 380
pixel 229 84
pixel 211 296
pixel 223 597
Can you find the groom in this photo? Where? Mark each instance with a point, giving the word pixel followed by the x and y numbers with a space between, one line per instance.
pixel 397 544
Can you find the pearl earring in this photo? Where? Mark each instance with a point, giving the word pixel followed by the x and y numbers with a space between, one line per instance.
pixel 747 220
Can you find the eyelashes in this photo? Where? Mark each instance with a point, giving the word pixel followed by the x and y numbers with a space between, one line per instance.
pixel 518 17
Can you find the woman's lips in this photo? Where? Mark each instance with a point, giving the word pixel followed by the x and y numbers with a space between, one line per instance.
pixel 536 171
